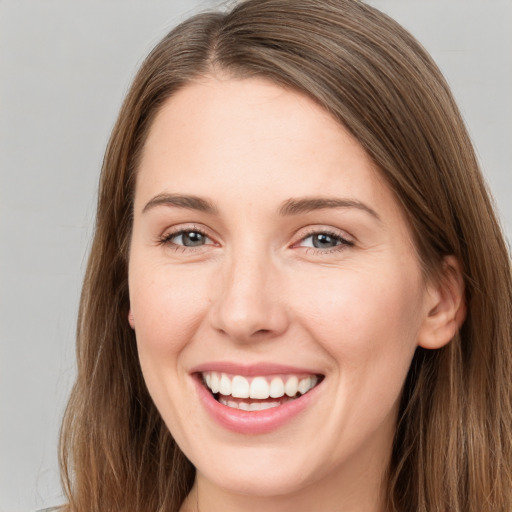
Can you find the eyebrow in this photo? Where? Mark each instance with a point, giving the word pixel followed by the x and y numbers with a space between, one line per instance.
pixel 181 201
pixel 288 208
pixel 309 204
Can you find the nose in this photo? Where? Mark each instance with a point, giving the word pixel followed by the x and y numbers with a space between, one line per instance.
pixel 249 303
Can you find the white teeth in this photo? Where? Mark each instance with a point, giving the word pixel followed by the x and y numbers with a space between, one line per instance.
pixel 257 388
pixel 304 385
pixel 269 405
pixel 292 386
pixel 248 406
pixel 260 388
pixel 215 381
pixel 276 387
pixel 260 406
pixel 239 387
pixel 225 385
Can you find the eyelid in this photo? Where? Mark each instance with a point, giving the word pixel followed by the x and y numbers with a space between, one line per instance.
pixel 346 240
pixel 169 233
pixel 323 229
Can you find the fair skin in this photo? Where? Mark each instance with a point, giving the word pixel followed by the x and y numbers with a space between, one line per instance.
pixel 254 274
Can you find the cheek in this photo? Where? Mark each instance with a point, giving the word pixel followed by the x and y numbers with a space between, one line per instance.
pixel 366 320
pixel 166 310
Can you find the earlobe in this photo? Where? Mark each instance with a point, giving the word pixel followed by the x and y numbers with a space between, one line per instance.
pixel 131 320
pixel 445 308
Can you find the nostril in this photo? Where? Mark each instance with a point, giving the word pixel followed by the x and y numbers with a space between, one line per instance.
pixel 261 332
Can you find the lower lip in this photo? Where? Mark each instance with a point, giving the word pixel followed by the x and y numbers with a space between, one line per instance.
pixel 252 422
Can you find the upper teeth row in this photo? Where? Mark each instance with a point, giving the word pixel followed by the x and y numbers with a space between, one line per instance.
pixel 259 387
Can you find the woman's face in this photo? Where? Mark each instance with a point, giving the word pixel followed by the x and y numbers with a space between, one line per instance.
pixel 268 257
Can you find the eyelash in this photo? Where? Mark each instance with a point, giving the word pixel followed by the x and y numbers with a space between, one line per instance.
pixel 165 240
pixel 343 243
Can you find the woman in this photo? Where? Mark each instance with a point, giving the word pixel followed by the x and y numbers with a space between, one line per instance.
pixel 298 296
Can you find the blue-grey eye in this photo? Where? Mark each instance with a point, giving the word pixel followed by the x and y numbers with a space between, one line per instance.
pixel 324 241
pixel 189 239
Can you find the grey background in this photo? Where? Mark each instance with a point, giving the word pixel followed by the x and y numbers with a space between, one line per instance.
pixel 64 68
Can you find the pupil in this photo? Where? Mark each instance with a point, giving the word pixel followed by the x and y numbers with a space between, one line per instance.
pixel 192 238
pixel 323 241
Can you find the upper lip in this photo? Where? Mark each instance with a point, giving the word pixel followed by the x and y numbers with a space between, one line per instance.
pixel 251 370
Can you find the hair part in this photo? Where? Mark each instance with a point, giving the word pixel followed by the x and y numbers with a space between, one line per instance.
pixel 452 450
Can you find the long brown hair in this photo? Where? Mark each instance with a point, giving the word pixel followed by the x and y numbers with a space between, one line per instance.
pixel 453 445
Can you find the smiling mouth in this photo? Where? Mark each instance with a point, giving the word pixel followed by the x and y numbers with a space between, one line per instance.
pixel 259 392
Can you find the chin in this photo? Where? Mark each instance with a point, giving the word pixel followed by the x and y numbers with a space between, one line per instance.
pixel 261 481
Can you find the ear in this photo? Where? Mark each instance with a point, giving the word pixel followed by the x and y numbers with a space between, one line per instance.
pixel 445 307
pixel 131 320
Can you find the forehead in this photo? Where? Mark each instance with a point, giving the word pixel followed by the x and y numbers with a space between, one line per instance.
pixel 230 118
pixel 251 139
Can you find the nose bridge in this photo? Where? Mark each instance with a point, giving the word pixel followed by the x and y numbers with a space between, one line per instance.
pixel 246 304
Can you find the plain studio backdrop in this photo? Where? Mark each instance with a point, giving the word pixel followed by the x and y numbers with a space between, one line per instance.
pixel 65 66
